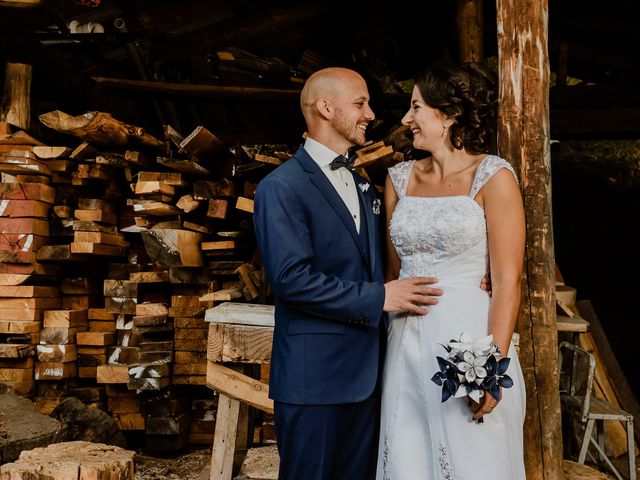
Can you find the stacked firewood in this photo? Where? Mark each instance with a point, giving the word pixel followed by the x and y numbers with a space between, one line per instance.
pixel 119 243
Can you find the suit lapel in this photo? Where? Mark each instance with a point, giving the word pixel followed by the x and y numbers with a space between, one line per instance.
pixel 322 183
pixel 369 220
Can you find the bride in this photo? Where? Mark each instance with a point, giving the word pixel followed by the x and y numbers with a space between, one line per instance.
pixel 450 216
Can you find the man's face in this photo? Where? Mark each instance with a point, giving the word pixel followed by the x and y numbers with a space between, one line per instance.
pixel 352 111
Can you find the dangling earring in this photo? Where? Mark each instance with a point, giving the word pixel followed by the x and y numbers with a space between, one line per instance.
pixel 444 131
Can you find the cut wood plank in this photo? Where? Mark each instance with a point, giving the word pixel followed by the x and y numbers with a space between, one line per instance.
pixel 55 370
pixel 149 277
pixel 211 189
pixel 238 386
pixel 27 191
pixel 201 144
pixel 90 226
pixel 112 374
pixel 224 295
pixel 240 343
pixel 22 161
pixel 57 353
pixel 16 350
pixel 30 303
pixel 267 159
pixel 170 178
pixel 13 326
pixel 62 211
pixel 219 245
pixel 242 314
pixel 65 318
pixel 99 237
pixel 185 166
pixel 83 151
pixel 8 279
pixel 28 291
pixel 97 249
pixel 23 208
pixel 187 203
pixel 150 207
pixel 16 374
pixel 100 314
pixel 120 288
pixel 96 216
pixel 96 338
pixel 59 335
pixel 218 208
pixel 153 187
pixel 25 225
pixel 47 152
pixel 49 253
pixel 244 204
pixel 151 309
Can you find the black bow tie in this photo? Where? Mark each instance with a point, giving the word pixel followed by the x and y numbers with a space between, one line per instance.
pixel 342 161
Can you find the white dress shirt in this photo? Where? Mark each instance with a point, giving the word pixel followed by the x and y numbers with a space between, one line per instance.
pixel 341 178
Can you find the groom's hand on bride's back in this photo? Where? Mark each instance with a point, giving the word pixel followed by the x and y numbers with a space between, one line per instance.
pixel 410 295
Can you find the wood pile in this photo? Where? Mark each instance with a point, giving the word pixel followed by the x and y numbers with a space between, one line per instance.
pixel 113 247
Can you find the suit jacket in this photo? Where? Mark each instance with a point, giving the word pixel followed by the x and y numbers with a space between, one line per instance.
pixel 328 288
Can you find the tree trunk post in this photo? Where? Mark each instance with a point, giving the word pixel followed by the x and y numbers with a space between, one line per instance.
pixel 523 138
pixel 469 20
pixel 16 103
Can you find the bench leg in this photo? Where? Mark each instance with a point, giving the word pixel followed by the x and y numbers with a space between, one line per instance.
pixel 632 450
pixel 224 439
pixel 585 441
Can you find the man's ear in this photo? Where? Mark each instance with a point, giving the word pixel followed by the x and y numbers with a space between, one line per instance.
pixel 325 108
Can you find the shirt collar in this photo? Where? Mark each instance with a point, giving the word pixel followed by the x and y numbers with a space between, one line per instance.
pixel 321 154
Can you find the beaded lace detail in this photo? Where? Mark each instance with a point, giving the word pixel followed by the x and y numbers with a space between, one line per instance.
pixel 426 230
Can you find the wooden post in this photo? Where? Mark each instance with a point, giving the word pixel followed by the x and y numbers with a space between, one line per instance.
pixel 17 86
pixel 469 20
pixel 523 138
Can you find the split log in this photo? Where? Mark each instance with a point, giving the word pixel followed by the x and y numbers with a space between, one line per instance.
pixel 100 128
pixel 16 108
pixel 524 139
pixel 72 460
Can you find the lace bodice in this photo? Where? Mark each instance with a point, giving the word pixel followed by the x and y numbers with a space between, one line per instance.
pixel 427 231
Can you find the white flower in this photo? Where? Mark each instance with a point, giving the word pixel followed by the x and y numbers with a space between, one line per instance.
pixel 376 206
pixel 473 367
pixel 467 343
pixel 364 187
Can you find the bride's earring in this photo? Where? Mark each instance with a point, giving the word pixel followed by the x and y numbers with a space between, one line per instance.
pixel 444 131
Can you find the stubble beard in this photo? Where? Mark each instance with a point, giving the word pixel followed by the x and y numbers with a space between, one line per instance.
pixel 351 133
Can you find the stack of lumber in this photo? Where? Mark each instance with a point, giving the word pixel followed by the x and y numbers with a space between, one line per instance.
pixel 190 331
pixel 203 423
pixel 167 420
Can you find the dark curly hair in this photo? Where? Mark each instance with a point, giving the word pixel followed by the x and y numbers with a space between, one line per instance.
pixel 468 94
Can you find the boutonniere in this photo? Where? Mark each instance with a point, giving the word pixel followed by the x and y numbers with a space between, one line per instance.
pixel 376 206
pixel 364 187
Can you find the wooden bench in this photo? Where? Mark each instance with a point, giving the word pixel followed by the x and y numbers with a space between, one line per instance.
pixel 239 334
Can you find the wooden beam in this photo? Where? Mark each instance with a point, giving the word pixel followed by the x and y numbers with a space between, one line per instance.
pixel 524 139
pixel 470 21
pixel 16 108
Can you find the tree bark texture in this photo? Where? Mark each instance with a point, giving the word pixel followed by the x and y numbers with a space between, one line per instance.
pixel 523 138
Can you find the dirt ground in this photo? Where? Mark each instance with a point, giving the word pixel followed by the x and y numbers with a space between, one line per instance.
pixel 185 466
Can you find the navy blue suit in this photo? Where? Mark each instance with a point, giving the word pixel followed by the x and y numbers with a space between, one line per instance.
pixel 328 287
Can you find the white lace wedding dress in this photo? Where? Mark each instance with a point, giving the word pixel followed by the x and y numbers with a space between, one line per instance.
pixel 422 438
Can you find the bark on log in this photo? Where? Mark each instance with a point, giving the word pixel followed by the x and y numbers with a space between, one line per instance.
pixel 16 108
pixel 100 128
pixel 524 140
pixel 469 20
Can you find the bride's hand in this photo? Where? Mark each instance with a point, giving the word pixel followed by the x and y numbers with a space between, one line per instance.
pixel 486 405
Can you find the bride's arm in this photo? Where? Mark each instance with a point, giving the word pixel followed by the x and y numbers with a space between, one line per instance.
pixel 506 234
pixel 392 262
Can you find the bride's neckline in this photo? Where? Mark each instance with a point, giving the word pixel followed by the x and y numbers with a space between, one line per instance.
pixel 475 176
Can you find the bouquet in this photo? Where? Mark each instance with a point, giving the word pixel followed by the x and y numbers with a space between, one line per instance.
pixel 470 368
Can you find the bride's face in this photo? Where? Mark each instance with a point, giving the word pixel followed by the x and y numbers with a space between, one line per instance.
pixel 426 123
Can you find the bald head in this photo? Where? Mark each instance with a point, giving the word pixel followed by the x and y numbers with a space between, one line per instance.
pixel 326 84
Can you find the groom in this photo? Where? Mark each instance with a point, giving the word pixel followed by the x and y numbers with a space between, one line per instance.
pixel 317 226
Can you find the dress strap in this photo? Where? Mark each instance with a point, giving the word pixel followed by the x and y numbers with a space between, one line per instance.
pixel 488 167
pixel 399 174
